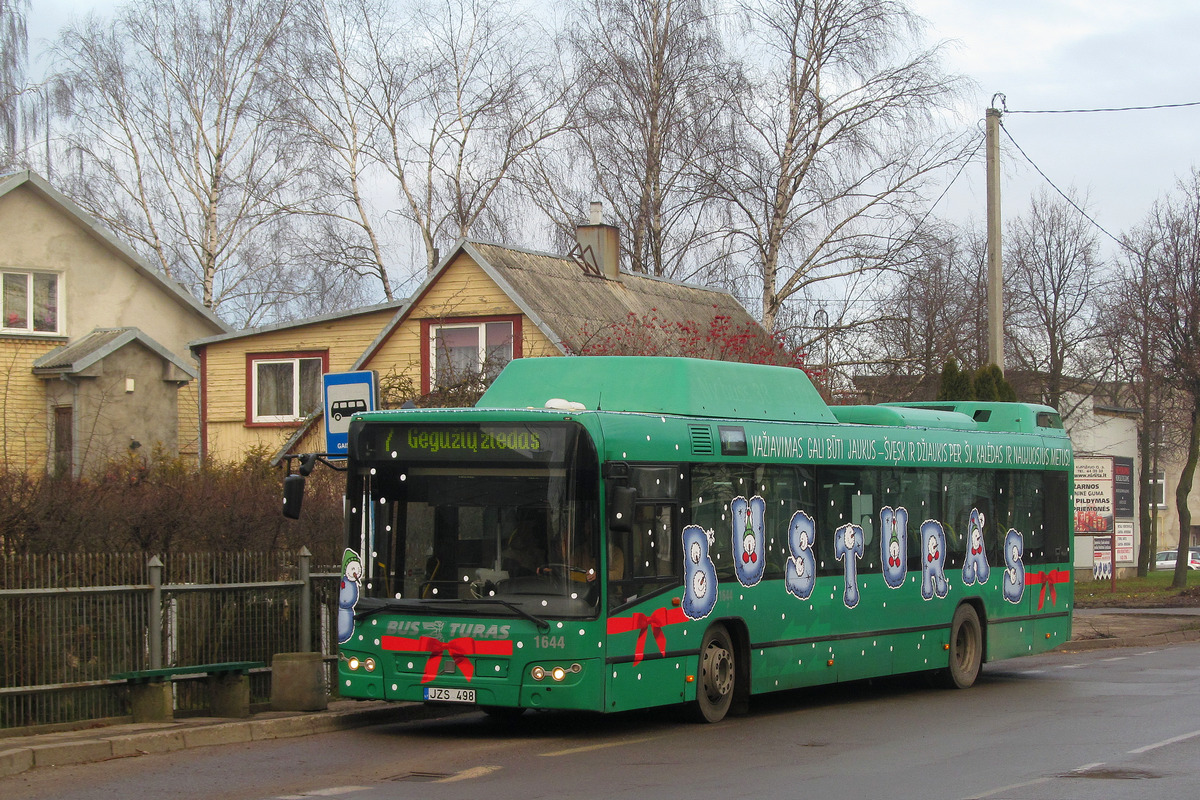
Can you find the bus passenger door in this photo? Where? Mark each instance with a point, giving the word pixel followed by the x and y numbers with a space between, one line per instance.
pixel 645 634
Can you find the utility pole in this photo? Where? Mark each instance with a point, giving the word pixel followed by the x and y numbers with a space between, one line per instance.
pixel 995 265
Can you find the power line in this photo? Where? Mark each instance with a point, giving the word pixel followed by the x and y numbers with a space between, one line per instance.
pixel 1061 193
pixel 1104 110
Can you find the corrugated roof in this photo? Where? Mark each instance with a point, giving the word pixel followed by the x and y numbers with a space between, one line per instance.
pixel 575 307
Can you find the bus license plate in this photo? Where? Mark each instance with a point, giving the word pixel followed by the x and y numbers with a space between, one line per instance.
pixel 449 695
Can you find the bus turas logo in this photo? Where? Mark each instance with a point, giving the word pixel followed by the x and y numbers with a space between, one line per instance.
pixel 1013 586
pixel 975 563
pixel 352 572
pixel 800 574
pixel 749 559
pixel 438 629
pixel 848 547
pixel 893 545
pixel 933 560
pixel 699 573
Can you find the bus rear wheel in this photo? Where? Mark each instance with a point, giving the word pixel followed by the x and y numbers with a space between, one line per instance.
pixel 718 673
pixel 966 649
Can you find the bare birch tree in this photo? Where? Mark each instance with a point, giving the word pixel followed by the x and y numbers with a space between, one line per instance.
pixel 838 137
pixel 462 97
pixel 328 84
pixel 175 125
pixel 655 87
pixel 13 59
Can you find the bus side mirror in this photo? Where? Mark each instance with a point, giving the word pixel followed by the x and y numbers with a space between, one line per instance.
pixel 293 496
pixel 620 508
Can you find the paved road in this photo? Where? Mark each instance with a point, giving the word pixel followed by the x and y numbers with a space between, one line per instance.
pixel 1112 723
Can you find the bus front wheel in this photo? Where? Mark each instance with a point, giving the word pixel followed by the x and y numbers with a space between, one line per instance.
pixel 718 672
pixel 966 648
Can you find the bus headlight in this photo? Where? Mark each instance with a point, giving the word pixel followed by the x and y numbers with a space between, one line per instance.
pixel 353 663
pixel 369 664
pixel 538 673
pixel 558 673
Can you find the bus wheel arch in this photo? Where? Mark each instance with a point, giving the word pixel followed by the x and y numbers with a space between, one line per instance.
pixel 717 674
pixel 966 648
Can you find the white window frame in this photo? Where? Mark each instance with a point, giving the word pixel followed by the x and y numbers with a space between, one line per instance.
pixel 298 413
pixel 480 329
pixel 28 330
pixel 1158 483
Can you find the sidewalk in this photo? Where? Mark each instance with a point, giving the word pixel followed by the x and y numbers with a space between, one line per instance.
pixel 1093 629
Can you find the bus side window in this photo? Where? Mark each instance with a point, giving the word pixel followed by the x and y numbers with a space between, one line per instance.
pixel 847 495
pixel 713 486
pixel 787 490
pixel 921 497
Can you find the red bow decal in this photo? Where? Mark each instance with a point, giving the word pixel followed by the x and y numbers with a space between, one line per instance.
pixel 893 561
pixel 748 557
pixel 459 649
pixel 1047 580
pixel 932 556
pixel 976 550
pixel 653 624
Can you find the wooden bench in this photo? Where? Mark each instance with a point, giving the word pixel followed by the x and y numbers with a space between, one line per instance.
pixel 228 689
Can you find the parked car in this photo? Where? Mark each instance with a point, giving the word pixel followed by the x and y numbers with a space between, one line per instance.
pixel 1165 559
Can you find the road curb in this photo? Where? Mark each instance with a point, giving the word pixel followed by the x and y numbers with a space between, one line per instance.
pixel 1151 640
pixel 15 760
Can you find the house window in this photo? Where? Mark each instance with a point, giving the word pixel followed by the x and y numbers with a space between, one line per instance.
pixel 462 352
pixel 284 388
pixel 30 302
pixel 1158 490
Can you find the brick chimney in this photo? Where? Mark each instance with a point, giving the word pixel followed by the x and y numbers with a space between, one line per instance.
pixel 600 244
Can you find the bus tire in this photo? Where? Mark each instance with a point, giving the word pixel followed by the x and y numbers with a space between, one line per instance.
pixel 966 648
pixel 718 675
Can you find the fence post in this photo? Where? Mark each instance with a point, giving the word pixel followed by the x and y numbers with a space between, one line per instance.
pixel 154 622
pixel 305 600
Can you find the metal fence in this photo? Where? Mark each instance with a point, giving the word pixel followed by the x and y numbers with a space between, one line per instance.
pixel 69 621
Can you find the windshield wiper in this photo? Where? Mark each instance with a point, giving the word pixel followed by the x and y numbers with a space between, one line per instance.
pixel 383 605
pixel 541 623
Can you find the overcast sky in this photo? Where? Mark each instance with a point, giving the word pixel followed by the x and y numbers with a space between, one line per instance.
pixel 1042 55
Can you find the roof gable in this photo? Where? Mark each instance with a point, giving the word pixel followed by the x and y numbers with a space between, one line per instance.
pixel 78 356
pixel 572 307
pixel 37 184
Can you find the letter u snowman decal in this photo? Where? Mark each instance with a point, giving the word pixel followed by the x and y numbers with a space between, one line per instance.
pixel 749 554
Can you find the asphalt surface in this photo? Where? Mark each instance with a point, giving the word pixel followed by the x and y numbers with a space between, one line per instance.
pixel 1093 629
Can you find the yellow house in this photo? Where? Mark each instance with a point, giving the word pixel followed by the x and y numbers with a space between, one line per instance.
pixel 483 306
pixel 93 341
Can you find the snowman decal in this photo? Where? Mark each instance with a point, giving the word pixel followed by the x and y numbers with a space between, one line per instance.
pixel 893 545
pixel 975 564
pixel 699 573
pixel 848 548
pixel 933 560
pixel 1013 586
pixel 749 560
pixel 800 572
pixel 352 572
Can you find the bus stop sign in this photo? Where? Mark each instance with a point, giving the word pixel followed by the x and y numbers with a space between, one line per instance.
pixel 346 394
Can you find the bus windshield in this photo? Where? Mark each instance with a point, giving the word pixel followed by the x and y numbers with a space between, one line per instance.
pixel 500 517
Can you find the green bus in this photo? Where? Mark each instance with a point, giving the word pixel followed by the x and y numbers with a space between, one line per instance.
pixel 614 533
